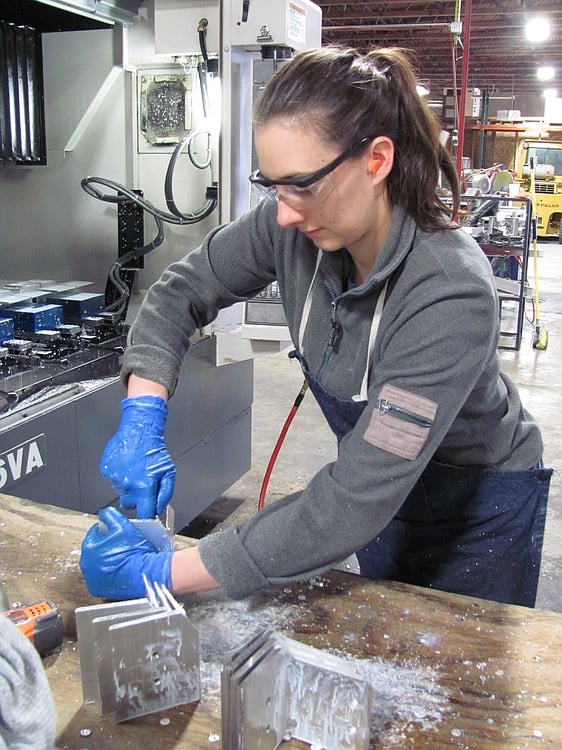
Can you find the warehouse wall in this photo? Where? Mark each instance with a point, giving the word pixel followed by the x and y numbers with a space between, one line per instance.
pixel 529 106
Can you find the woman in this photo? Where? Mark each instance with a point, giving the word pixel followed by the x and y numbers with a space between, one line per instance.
pixel 393 312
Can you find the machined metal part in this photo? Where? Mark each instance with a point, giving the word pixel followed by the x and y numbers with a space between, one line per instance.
pixel 104 653
pixel 275 688
pixel 263 700
pixel 230 698
pixel 138 656
pixel 159 533
pixel 328 704
pixel 85 617
pixel 155 664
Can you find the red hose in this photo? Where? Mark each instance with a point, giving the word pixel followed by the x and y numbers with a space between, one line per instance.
pixel 279 443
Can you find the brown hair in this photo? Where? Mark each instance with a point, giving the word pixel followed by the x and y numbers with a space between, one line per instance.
pixel 348 96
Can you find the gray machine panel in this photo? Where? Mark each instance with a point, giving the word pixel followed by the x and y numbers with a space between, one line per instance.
pixel 52 456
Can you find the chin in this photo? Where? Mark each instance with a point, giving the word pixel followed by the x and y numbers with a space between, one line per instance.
pixel 325 242
pixel 330 247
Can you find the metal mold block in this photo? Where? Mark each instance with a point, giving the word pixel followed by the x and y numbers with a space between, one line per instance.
pixel 104 650
pixel 85 617
pixel 155 664
pixel 159 533
pixel 327 707
pixel 138 656
pixel 274 688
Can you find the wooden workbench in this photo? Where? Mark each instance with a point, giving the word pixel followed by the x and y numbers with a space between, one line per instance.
pixel 448 671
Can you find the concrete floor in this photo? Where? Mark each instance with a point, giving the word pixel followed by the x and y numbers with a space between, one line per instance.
pixel 310 444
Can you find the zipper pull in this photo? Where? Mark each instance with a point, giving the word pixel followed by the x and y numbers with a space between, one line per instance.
pixel 384 406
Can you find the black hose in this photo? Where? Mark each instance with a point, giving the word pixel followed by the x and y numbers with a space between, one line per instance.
pixel 202 31
pixel 202 73
pixel 124 194
pixel 193 218
pixel 207 207
pixel 202 66
pixel 488 208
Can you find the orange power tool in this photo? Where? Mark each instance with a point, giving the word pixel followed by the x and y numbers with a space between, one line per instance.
pixel 41 623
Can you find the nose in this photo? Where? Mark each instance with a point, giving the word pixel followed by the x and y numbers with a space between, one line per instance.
pixel 287 216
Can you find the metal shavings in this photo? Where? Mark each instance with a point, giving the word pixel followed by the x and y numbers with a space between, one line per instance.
pixel 406 694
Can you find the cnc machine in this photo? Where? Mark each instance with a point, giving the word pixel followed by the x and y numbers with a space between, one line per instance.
pixel 154 98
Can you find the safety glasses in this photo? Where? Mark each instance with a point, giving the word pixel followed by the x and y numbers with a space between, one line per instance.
pixel 317 187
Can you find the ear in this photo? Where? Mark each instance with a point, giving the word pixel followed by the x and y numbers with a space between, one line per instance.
pixel 381 156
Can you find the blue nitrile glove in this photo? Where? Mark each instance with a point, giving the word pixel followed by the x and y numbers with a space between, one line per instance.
pixel 136 460
pixel 115 555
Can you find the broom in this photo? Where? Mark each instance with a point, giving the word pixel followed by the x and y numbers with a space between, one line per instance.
pixel 540 338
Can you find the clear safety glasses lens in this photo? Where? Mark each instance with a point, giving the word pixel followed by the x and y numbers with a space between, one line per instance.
pixel 269 192
pixel 315 188
pixel 298 197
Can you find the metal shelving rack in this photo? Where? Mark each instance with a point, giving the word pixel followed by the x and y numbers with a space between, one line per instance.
pixel 508 238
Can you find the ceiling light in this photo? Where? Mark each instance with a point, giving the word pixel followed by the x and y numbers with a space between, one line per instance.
pixel 537 29
pixel 423 90
pixel 550 93
pixel 545 73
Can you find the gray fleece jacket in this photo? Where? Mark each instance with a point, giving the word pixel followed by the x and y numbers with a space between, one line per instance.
pixel 27 711
pixel 435 362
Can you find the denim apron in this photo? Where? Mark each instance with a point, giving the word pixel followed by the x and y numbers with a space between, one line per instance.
pixel 465 530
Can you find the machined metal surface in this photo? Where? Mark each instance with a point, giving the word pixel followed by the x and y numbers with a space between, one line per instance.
pixel 159 532
pixel 138 656
pixel 155 664
pixel 104 650
pixel 85 617
pixel 275 688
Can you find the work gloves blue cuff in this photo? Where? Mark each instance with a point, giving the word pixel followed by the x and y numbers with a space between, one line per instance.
pixel 136 459
pixel 115 555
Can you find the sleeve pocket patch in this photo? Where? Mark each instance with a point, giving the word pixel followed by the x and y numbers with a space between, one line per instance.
pixel 400 422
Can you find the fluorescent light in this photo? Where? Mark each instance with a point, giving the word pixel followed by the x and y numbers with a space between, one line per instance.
pixel 537 29
pixel 545 73
pixel 422 90
pixel 550 93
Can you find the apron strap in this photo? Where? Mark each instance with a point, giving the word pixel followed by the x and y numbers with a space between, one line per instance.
pixel 308 304
pixel 362 395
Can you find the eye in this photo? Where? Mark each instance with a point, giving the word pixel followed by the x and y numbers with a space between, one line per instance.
pixel 302 191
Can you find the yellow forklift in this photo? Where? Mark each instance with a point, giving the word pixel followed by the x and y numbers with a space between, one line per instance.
pixel 547 159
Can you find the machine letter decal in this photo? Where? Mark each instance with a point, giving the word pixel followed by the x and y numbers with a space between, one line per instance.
pixel 22 460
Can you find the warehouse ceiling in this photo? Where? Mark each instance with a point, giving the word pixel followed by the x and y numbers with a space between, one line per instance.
pixel 500 59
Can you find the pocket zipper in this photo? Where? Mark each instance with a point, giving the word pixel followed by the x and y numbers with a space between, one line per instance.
pixel 385 407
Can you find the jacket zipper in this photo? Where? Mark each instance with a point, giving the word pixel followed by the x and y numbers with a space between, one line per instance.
pixel 335 333
pixel 333 339
pixel 385 407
